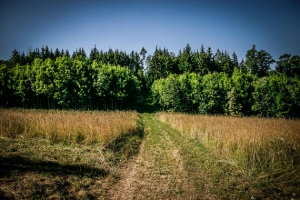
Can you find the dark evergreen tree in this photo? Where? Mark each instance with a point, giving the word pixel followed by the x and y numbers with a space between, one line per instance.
pixel 143 53
pixel 251 61
pixel 296 65
pixel 258 62
pixel 235 61
pixel 160 65
pixel 15 58
pixel 288 64
pixel 67 54
pixel 264 63
pixel 57 53
pixel 202 61
pixel 185 63
pixel 23 60
pixel 94 55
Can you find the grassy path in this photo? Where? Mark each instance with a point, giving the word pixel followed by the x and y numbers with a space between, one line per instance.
pixel 163 164
pixel 151 161
pixel 167 167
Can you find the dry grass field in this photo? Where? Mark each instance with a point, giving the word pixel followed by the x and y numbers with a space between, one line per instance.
pixel 266 151
pixel 64 154
pixel 70 127
pixel 125 155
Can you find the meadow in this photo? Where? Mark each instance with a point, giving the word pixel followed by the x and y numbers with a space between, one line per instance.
pixel 69 127
pixel 59 154
pixel 266 151
pixel 64 154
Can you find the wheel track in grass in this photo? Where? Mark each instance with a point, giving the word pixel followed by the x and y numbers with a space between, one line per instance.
pixel 162 169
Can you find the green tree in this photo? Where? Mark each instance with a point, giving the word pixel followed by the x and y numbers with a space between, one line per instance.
pixel 77 53
pixel 251 61
pixel 116 87
pixel 241 91
pixel 23 85
pixel 168 93
pixel 94 55
pixel 143 53
pixel 223 63
pixel 82 83
pixel 235 61
pixel 15 58
pixel 234 107
pixel 202 61
pixel 295 65
pixel 213 97
pixel 189 91
pixel 135 63
pixel 157 90
pixel 177 92
pixel 57 53
pixel 288 64
pixel 6 92
pixel 63 81
pixel 185 63
pixel 293 88
pixel 44 80
pixel 160 65
pixel 264 64
pixel 258 62
pixel 275 96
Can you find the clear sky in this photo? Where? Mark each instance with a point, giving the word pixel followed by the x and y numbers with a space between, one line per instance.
pixel 232 25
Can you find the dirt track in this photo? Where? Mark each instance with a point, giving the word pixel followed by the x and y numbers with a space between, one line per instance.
pixel 158 172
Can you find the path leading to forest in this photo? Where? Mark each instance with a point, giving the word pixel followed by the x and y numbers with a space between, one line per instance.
pixel 165 167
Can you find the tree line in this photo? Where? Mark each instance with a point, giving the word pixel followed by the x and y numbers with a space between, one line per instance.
pixel 240 94
pixel 43 79
pixel 197 81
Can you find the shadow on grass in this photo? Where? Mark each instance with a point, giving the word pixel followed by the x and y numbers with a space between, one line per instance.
pixel 11 164
pixel 128 145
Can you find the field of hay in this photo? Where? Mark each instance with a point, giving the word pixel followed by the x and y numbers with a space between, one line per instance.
pixel 70 127
pixel 52 154
pixel 64 154
pixel 266 151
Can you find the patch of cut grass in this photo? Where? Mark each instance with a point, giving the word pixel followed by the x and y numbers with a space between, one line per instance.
pixel 37 169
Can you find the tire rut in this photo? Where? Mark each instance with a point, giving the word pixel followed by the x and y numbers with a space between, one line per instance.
pixel 158 171
pixel 125 188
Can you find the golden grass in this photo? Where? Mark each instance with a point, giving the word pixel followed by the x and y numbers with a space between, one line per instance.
pixel 64 154
pixel 257 146
pixel 70 127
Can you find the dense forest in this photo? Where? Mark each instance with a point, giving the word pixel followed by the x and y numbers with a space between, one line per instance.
pixel 192 81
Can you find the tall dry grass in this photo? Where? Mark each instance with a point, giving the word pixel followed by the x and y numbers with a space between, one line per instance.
pixel 257 146
pixel 69 127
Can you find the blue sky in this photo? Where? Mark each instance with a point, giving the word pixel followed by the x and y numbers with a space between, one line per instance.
pixel 232 25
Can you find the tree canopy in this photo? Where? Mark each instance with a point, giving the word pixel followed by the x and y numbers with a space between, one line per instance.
pixel 197 81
